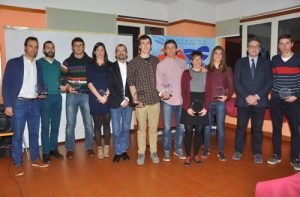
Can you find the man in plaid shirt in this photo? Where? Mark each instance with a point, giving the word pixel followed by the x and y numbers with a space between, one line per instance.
pixel 141 78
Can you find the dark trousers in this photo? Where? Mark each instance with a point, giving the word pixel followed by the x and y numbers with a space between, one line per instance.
pixel 278 108
pixel 257 118
pixel 50 118
pixel 189 130
pixel 99 121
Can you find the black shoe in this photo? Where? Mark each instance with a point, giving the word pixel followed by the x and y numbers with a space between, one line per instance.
pixel 117 158
pixel 125 156
pixel 46 158
pixel 55 153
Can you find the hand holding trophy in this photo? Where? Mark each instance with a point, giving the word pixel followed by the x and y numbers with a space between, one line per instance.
pixel 219 92
pixel 103 95
pixel 197 106
pixel 136 98
pixel 76 87
pixel 284 93
pixel 41 90
pixel 167 92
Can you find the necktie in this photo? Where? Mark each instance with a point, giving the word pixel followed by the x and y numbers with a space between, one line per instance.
pixel 252 68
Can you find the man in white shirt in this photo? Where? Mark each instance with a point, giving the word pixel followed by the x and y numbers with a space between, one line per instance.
pixel 120 103
pixel 21 84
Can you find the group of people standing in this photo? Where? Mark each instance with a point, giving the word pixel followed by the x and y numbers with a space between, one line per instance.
pixel 106 91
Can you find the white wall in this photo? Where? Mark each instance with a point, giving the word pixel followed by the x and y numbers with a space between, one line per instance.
pixel 191 9
pixel 136 8
pixel 176 11
pixel 245 8
pixel 182 9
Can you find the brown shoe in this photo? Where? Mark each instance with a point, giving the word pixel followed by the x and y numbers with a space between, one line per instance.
pixel 70 155
pixel 90 153
pixel 40 164
pixel 18 170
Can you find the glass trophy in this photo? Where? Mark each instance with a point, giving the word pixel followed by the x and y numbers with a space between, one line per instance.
pixel 219 92
pixel 76 85
pixel 168 88
pixel 197 106
pixel 139 94
pixel 41 90
pixel 284 93
pixel 102 92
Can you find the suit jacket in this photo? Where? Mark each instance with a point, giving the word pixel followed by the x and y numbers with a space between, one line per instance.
pixel 245 85
pixel 13 80
pixel 115 86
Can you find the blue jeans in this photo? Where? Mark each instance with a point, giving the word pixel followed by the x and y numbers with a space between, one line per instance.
pixel 219 108
pixel 121 122
pixel 25 111
pixel 73 102
pixel 50 114
pixel 167 121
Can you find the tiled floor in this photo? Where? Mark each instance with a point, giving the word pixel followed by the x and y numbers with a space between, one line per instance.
pixel 84 176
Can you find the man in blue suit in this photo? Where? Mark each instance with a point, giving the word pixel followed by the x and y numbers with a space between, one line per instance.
pixel 22 78
pixel 252 82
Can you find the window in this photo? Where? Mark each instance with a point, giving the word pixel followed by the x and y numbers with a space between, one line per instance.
pixel 268 30
pixel 263 33
pixel 154 30
pixel 134 31
pixel 292 27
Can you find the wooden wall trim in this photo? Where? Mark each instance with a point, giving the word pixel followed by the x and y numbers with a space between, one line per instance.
pixel 162 23
pixel 285 12
pixel 191 21
pixel 13 8
pixel 120 19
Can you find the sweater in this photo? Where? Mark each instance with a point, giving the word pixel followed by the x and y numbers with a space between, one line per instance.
pixel 286 75
pixel 74 71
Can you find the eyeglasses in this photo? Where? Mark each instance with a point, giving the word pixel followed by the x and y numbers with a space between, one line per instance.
pixel 79 45
pixel 254 46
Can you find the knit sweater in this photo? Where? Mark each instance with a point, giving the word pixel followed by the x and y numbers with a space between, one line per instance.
pixel 286 75
pixel 216 79
pixel 74 71
pixel 51 74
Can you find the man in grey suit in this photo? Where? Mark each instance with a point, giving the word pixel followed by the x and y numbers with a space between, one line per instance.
pixel 252 82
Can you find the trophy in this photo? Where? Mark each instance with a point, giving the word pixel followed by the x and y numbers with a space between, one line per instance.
pixel 59 84
pixel 284 92
pixel 76 85
pixel 168 88
pixel 138 94
pixel 41 90
pixel 102 92
pixel 197 106
pixel 219 92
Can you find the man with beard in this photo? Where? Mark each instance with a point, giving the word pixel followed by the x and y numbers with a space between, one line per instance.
pixel 120 103
pixel 51 106
pixel 21 77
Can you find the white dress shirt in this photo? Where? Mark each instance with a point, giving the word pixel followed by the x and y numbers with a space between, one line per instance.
pixel 123 71
pixel 29 79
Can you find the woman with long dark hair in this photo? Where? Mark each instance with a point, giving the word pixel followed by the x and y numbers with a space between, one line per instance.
pixel 97 79
pixel 218 89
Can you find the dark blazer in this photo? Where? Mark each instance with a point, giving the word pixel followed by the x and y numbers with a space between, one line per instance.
pixel 115 86
pixel 245 85
pixel 13 80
